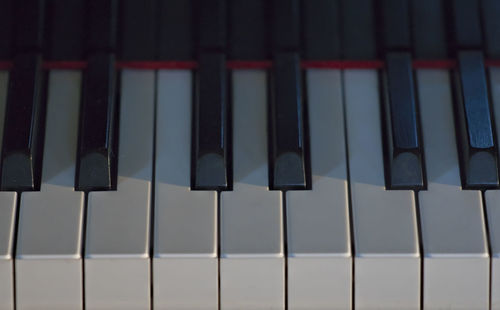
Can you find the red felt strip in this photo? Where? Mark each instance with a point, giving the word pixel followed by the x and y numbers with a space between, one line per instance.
pixel 64 65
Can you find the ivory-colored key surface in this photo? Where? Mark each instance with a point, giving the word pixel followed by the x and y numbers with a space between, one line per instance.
pixel 185 240
pixel 456 263
pixel 319 254
pixel 251 233
pixel 387 260
pixel 49 240
pixel 117 267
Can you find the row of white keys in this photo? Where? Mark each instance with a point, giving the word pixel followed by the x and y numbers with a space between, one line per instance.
pixel 456 262
pixel 48 259
pixel 7 220
pixel 387 262
pixel 252 263
pixel 185 226
pixel 319 255
pixel 117 264
pixel 492 199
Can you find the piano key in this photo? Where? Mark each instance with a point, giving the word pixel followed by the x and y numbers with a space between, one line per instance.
pixel 429 33
pixel 117 265
pixel 212 18
pixel 321 29
pixel 465 24
pixel 6 28
pixel 96 165
pixel 456 263
pixel 288 154
pixel 185 260
pixel 285 19
pixel 102 25
pixel 477 145
pixel 65 23
pixel 175 33
pixel 24 125
pixel 252 265
pixel 211 154
pixel 319 252
pixel 248 32
pixel 402 129
pixel 29 25
pixel 491 27
pixel 358 29
pixel 395 15
pixel 387 261
pixel 48 259
pixel 138 29
pixel 8 202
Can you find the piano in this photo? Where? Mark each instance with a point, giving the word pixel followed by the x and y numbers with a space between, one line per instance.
pixel 235 154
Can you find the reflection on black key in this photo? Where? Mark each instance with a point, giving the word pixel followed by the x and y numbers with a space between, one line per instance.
pixel 429 35
pixel 286 25
pixel 29 25
pixel 403 146
pixel 321 29
pixel 211 24
pixel 175 41
pixel 210 151
pixel 96 164
pixel 396 24
pixel 24 125
pixel 101 25
pixel 476 140
pixel 491 26
pixel 465 23
pixel 288 167
pixel 138 29
pixel 6 28
pixel 358 29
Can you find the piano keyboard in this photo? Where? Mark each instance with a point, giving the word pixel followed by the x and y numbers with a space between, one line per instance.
pixel 232 154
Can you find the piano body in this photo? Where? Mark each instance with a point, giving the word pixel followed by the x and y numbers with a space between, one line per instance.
pixel 235 154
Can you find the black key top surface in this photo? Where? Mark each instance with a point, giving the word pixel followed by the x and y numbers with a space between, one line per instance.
pixel 429 35
pixel 286 25
pixel 358 30
pixel 176 31
pixel 24 125
pixel 138 29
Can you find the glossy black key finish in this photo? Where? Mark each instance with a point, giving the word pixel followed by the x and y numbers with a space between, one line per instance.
pixel 358 29
pixel 402 142
pixel 288 167
pixel 97 144
pixel 286 25
pixel 465 25
pixel 65 26
pixel 321 30
pixel 211 18
pixel 475 129
pixel 210 151
pixel 429 33
pixel 138 29
pixel 395 23
pixel 249 20
pixel 175 30
pixel 29 25
pixel 22 150
pixel 6 28
pixel 101 25
pixel 491 27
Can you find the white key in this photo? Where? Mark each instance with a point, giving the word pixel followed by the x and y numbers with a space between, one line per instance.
pixel 7 220
pixel 492 198
pixel 185 239
pixel 456 263
pixel 117 271
pixel 48 260
pixel 387 263
pixel 319 254
pixel 251 234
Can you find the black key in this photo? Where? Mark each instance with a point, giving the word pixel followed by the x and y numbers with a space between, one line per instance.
pixel 321 29
pixel 286 25
pixel 248 32
pixel 210 151
pixel 24 125
pixel 102 23
pixel 65 23
pixel 176 33
pixel 211 24
pixel 395 15
pixel 491 27
pixel 475 135
pixel 402 139
pixel 138 29
pixel 6 28
pixel 97 144
pixel 465 24
pixel 429 35
pixel 29 25
pixel 358 30
pixel 289 168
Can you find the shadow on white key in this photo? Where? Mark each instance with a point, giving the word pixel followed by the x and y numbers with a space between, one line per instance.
pixel 117 265
pixel 48 260
pixel 492 198
pixel 319 254
pixel 456 263
pixel 387 260
pixel 185 239
pixel 251 236
pixel 7 220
